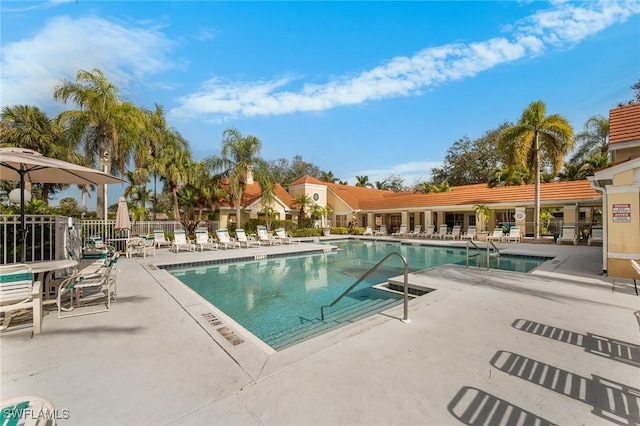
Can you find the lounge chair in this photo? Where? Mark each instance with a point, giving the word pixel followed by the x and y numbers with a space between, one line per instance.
pixel 428 233
pixel 470 234
pixel 382 232
pixel 402 232
pixel 514 235
pixel 444 230
pixel 596 235
pixel 568 235
pixel 415 232
pixel 88 288
pixel 180 241
pixel 368 231
pixel 225 241
pixel 160 239
pixel 496 235
pixel 455 233
pixel 141 246
pixel 263 236
pixel 19 291
pixel 203 241
pixel 284 237
pixel 244 240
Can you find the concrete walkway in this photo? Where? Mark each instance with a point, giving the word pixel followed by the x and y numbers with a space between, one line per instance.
pixel 558 346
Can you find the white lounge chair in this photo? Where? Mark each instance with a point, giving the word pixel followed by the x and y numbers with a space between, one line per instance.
pixel 514 235
pixel 568 235
pixel 444 230
pixel 160 239
pixel 470 234
pixel 244 240
pixel 203 241
pixel 19 291
pixel 428 233
pixel 415 232
pixel 284 237
pixel 368 231
pixel 382 232
pixel 596 235
pixel 225 241
pixel 180 241
pixel 496 235
pixel 402 232
pixel 263 236
pixel 455 233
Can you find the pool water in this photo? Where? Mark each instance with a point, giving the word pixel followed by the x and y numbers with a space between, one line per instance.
pixel 278 297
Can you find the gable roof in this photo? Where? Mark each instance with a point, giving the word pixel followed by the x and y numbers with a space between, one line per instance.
pixel 624 124
pixel 253 192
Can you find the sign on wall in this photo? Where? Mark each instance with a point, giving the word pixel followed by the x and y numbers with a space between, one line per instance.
pixel 621 213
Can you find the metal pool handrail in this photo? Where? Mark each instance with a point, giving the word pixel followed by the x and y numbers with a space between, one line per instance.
pixel 366 274
pixel 489 245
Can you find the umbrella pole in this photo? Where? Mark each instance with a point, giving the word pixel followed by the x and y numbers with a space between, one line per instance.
pixel 22 232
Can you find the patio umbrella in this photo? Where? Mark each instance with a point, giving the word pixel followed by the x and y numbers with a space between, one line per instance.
pixel 21 164
pixel 122 216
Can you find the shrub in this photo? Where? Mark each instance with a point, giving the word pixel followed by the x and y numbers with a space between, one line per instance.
pixel 357 230
pixel 339 230
pixel 305 232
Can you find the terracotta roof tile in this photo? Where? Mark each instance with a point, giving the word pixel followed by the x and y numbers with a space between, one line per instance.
pixel 624 124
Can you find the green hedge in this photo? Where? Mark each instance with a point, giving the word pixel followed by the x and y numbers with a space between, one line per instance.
pixel 305 232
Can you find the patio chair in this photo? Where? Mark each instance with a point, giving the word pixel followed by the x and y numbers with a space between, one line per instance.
pixel 382 232
pixel 596 235
pixel 428 233
pixel 470 234
pixel 514 235
pixel 224 240
pixel 263 236
pixel 160 239
pixel 19 291
pixel 454 235
pixel 568 235
pixel 444 230
pixel 496 235
pixel 244 240
pixel 40 412
pixel 402 232
pixel 368 231
pixel 415 232
pixel 87 288
pixel 281 233
pixel 180 241
pixel 203 241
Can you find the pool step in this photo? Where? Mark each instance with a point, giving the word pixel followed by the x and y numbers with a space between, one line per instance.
pixel 334 318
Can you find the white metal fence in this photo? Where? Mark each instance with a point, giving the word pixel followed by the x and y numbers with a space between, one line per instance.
pixel 47 234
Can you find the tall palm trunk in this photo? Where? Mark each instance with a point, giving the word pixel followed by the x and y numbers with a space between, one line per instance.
pixel 536 201
pixel 176 210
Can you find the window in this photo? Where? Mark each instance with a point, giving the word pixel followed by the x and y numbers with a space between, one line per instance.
pixel 316 196
pixel 341 220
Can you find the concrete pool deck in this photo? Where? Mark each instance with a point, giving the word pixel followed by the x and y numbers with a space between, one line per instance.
pixel 558 346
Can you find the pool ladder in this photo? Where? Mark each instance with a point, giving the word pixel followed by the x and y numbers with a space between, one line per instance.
pixel 372 270
pixel 490 254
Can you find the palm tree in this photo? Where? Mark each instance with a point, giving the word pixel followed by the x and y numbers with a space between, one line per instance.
pixel 537 135
pixel 174 166
pixel 328 177
pixel 593 140
pixel 302 201
pixel 240 157
pixel 27 126
pixel 363 181
pixel 105 126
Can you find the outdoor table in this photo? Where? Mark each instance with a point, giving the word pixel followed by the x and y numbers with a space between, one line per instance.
pixel 43 269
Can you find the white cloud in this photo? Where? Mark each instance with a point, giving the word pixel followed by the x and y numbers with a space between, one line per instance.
pixel 410 172
pixel 562 26
pixel 32 67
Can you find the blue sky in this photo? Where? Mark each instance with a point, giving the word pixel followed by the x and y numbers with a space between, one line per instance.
pixel 358 88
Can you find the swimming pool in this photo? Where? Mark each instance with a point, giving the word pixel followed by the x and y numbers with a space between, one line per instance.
pixel 279 300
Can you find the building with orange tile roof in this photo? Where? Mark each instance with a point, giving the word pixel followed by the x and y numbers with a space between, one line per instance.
pixel 620 185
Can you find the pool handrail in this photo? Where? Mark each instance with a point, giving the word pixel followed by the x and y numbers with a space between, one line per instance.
pixel 489 255
pixel 366 274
